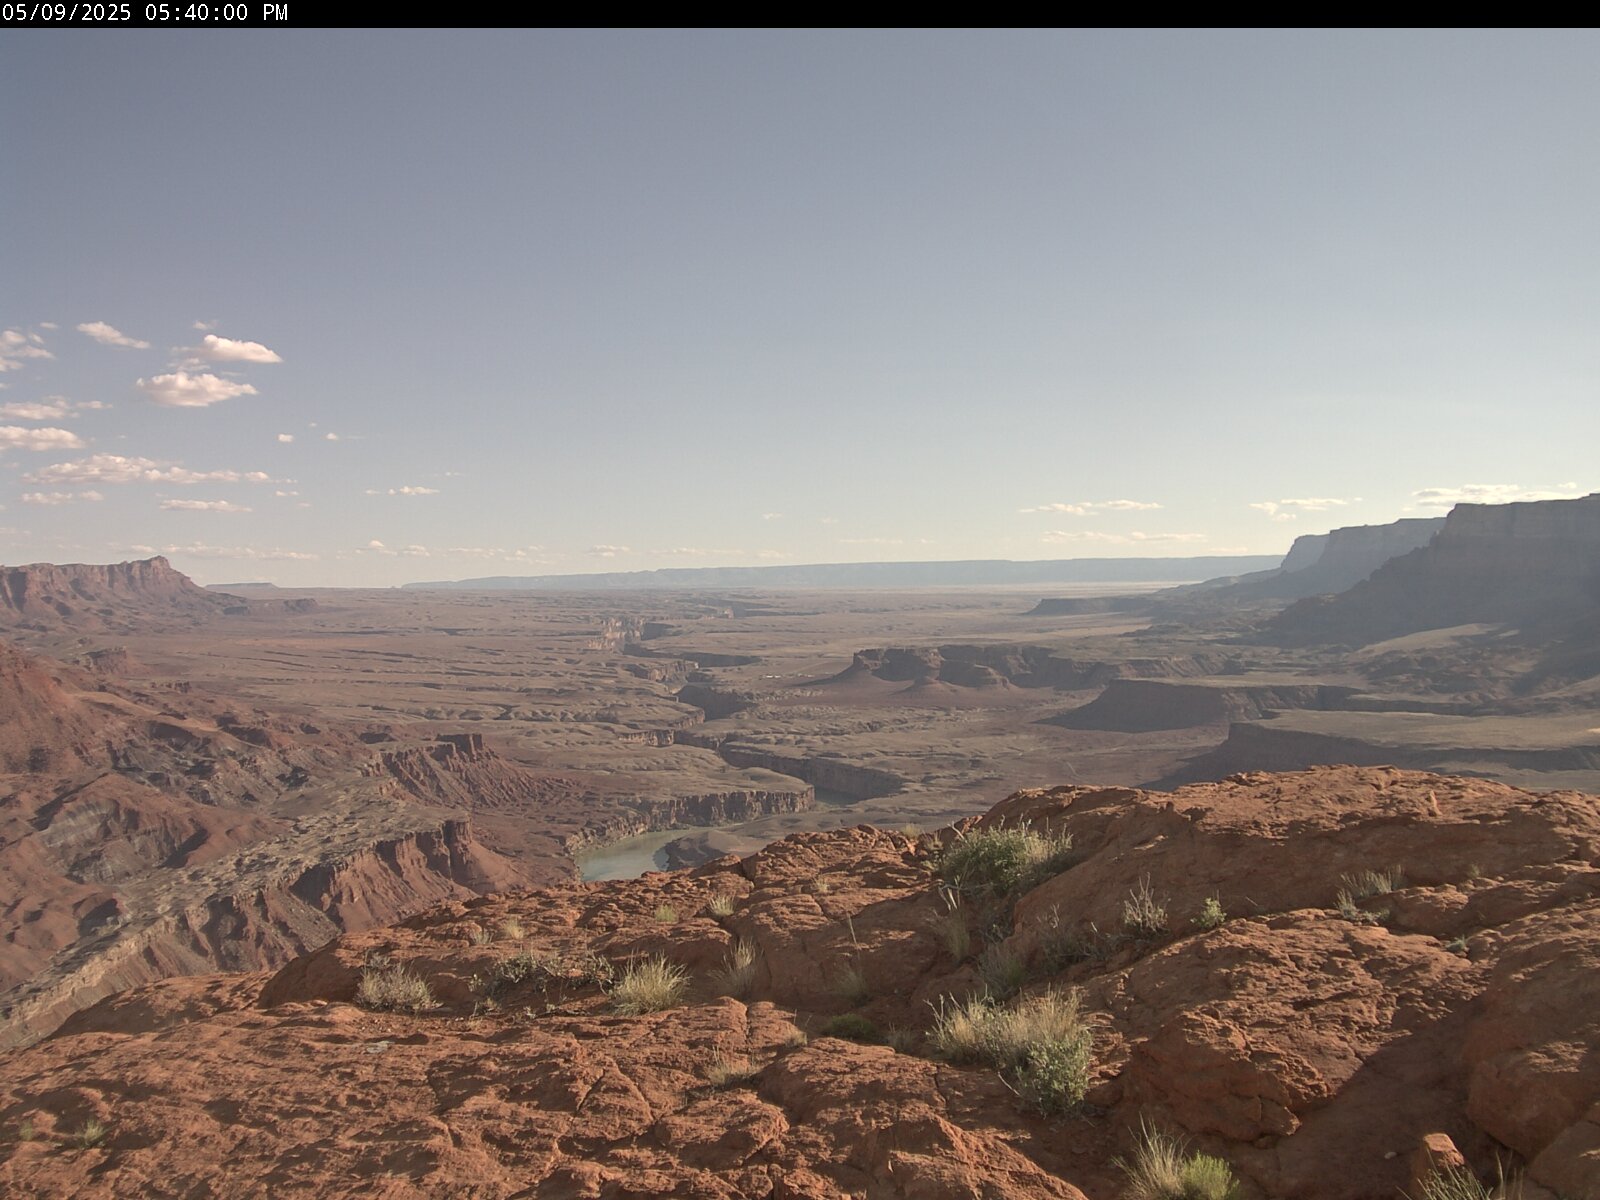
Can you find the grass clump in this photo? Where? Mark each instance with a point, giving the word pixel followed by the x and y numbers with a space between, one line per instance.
pixel 1142 914
pixel 1361 884
pixel 1211 915
pixel 1003 972
pixel 850 984
pixel 480 936
pixel 721 905
pixel 726 1070
pixel 737 975
pixel 511 930
pixel 951 925
pixel 649 985
pixel 1040 1045
pixel 998 862
pixel 89 1135
pixel 1351 911
pixel 393 989
pixel 546 972
pixel 1160 1170
pixel 665 914
pixel 1459 1183
pixel 852 1027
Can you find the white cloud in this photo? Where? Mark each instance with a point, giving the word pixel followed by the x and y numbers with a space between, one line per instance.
pixel 771 516
pixel 200 550
pixel 48 325
pixel 15 437
pixel 51 408
pixel 1492 493
pixel 696 552
pixel 286 438
pixel 604 551
pixel 872 541
pixel 53 498
pixel 182 390
pixel 329 437
pixel 1084 508
pixel 375 544
pixel 114 468
pixel 407 490
pixel 106 335
pixel 221 349
pixel 224 506
pixel 1289 510
pixel 282 492
pixel 1119 539
pixel 16 346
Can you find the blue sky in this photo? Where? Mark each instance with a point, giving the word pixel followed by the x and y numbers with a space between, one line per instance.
pixel 542 302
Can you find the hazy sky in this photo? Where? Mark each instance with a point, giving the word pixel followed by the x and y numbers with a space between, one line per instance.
pixel 569 301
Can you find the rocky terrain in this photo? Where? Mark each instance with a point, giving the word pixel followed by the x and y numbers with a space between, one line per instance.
pixel 1328 979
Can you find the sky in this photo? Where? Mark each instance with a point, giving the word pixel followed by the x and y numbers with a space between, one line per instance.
pixel 363 308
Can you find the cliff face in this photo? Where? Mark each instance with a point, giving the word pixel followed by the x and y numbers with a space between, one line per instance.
pixel 1320 564
pixel 263 924
pixel 1529 564
pixel 1317 1046
pixel 117 596
pixel 137 842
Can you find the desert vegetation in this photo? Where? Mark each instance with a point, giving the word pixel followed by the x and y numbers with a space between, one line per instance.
pixel 1160 1169
pixel 998 862
pixel 1041 1044
pixel 393 988
pixel 649 985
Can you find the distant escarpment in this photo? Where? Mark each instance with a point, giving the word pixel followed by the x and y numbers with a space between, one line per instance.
pixel 992 666
pixel 1324 980
pixel 1316 564
pixel 1139 705
pixel 1532 565
pixel 44 597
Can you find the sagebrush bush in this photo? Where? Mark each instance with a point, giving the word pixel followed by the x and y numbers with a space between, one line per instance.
pixel 997 862
pixel 649 985
pixel 1041 1044
pixel 393 989
pixel 1160 1170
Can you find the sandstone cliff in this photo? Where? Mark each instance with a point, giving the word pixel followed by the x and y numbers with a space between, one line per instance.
pixel 1530 565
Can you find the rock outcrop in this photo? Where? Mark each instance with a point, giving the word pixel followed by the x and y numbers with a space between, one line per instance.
pixel 1138 705
pixel 1323 1046
pixel 1533 565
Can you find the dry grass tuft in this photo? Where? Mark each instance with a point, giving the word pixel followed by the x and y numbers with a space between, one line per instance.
pixel 649 985
pixel 1160 1170
pixel 1041 1044
pixel 738 973
pixel 721 905
pixel 997 862
pixel 1142 914
pixel 730 1070
pixel 393 989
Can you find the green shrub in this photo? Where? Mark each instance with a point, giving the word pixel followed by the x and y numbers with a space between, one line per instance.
pixel 649 985
pixel 1211 914
pixel 853 1027
pixel 997 862
pixel 393 989
pixel 1042 1044
pixel 1160 1170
